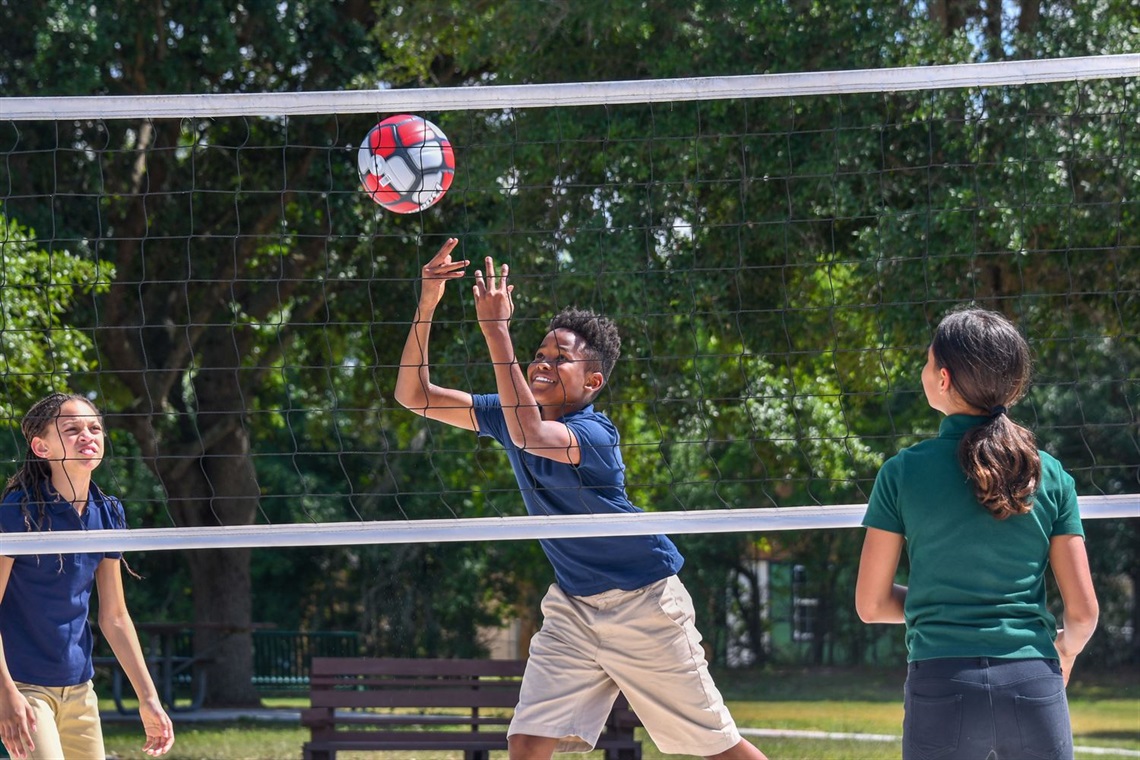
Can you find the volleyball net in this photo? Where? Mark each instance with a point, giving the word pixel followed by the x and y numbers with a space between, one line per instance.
pixel 776 250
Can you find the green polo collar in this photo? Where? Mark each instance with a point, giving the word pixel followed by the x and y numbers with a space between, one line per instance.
pixel 956 425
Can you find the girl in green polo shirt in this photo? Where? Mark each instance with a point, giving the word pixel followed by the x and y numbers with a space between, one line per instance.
pixel 982 513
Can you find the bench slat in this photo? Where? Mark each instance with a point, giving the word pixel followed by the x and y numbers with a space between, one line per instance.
pixel 438 698
pixel 357 683
pixel 424 740
pixel 398 666
pixel 323 717
pixel 325 683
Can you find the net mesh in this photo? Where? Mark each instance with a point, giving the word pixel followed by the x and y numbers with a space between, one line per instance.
pixel 775 249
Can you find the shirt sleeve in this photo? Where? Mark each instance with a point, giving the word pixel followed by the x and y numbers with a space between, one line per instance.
pixel 117 516
pixel 1068 522
pixel 489 417
pixel 883 509
pixel 598 443
pixel 11 520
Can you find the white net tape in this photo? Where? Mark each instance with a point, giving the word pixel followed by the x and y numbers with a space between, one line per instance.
pixel 485 529
pixel 950 76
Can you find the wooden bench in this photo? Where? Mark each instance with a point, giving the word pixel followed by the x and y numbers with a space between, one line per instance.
pixel 391 704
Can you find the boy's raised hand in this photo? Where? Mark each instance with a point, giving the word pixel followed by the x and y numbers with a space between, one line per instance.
pixel 437 272
pixel 493 302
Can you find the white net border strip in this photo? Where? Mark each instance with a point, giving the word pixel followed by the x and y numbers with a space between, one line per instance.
pixel 483 529
pixel 949 76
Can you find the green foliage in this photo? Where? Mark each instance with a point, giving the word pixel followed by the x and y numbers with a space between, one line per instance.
pixel 40 348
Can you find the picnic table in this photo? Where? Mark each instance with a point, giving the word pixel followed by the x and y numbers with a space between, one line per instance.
pixel 172 661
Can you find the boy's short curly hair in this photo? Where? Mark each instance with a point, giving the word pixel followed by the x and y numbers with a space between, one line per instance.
pixel 600 334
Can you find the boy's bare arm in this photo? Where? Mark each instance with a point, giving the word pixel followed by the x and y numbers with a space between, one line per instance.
pixel 494 306
pixel 414 389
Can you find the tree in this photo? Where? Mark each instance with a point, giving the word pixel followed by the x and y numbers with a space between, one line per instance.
pixel 193 324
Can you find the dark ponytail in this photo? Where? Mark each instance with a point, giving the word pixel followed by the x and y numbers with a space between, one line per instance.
pixel 989 364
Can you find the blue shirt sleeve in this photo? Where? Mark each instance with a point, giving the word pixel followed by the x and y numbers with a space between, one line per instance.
pixel 12 518
pixel 489 417
pixel 601 462
pixel 116 519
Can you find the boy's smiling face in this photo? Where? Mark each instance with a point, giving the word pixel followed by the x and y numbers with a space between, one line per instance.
pixel 563 376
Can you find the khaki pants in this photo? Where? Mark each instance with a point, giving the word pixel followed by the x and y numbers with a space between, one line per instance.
pixel 67 722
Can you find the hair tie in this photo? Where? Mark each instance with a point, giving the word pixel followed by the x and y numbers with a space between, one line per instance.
pixel 997 411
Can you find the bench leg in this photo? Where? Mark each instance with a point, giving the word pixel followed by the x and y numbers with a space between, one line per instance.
pixel 198 683
pixel 476 754
pixel 318 754
pixel 625 753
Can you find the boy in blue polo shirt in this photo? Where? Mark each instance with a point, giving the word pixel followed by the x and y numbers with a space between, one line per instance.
pixel 618 618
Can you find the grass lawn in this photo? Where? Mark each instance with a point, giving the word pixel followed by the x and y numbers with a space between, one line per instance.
pixel 1105 709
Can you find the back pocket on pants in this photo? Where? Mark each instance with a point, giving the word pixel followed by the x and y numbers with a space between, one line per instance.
pixel 1043 724
pixel 931 727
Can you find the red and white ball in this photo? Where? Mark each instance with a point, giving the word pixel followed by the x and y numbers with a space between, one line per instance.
pixel 406 164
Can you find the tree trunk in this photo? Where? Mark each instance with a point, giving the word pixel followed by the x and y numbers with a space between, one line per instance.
pixel 221 579
pixel 950 15
pixel 1030 15
pixel 219 487
pixel 198 443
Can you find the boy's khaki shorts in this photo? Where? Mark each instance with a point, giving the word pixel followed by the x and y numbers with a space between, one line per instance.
pixel 643 643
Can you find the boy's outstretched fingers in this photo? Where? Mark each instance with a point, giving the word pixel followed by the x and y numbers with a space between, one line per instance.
pixel 441 265
pixel 504 270
pixel 437 272
pixel 486 284
pixel 493 299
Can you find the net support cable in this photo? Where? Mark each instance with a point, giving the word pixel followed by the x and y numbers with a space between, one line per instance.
pixel 276 104
pixel 483 529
